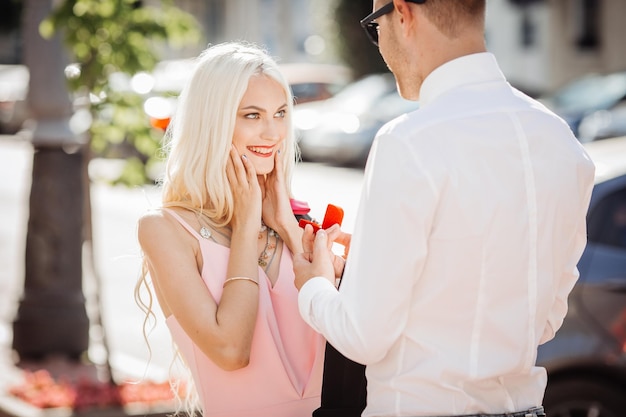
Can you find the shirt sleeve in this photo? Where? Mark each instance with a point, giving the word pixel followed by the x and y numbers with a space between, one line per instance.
pixel 570 272
pixel 368 313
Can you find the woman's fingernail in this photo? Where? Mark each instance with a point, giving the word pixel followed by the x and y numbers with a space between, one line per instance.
pixel 244 157
pixel 279 151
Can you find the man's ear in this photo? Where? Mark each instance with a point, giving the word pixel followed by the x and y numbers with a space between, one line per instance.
pixel 406 15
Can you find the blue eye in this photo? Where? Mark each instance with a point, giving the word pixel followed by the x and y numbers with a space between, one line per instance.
pixel 281 113
pixel 252 116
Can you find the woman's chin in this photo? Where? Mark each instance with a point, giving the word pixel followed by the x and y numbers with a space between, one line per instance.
pixel 263 168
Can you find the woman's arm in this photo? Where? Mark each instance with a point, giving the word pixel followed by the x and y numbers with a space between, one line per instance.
pixel 222 331
pixel 240 299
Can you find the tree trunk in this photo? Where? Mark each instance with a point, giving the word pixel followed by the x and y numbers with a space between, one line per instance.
pixel 51 317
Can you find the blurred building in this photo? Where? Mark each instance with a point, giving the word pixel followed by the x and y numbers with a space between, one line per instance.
pixel 289 29
pixel 293 30
pixel 540 44
pixel 543 44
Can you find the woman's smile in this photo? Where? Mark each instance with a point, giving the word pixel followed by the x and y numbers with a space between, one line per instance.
pixel 261 151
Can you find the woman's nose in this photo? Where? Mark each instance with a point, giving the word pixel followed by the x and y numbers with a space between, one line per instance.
pixel 272 130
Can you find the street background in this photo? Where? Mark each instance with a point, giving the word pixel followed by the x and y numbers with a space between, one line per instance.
pixel 116 251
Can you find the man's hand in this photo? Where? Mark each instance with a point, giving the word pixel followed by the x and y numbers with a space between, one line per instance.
pixel 334 235
pixel 317 260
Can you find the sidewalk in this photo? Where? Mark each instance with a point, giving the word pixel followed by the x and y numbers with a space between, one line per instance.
pixel 115 211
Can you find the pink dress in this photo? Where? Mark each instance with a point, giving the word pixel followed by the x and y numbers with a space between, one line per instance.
pixel 284 376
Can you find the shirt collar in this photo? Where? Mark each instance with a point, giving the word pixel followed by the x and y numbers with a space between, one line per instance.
pixel 470 69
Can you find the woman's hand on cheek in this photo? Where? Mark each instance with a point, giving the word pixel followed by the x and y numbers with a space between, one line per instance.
pixel 276 206
pixel 245 187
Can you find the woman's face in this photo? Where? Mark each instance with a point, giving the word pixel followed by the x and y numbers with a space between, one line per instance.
pixel 261 124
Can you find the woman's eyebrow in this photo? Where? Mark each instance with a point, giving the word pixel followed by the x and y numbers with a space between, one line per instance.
pixel 253 107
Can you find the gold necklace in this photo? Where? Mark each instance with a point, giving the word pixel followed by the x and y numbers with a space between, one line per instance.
pixel 262 260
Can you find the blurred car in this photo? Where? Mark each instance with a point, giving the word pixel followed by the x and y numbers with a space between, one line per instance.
pixel 309 82
pixel 603 124
pixel 586 360
pixel 341 130
pixel 586 95
pixel 14 81
pixel 314 82
pixel 13 90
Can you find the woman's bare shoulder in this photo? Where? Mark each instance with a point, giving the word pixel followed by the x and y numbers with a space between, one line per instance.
pixel 157 223
pixel 154 218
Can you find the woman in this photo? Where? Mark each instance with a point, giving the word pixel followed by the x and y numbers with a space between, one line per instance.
pixel 219 251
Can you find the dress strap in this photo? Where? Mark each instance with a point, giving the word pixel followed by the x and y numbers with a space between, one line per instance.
pixel 182 222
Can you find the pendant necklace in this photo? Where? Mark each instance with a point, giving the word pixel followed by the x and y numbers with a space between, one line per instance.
pixel 262 260
pixel 205 231
pixel 271 233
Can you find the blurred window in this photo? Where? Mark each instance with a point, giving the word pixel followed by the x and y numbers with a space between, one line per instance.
pixel 359 96
pixel 588 24
pixel 306 92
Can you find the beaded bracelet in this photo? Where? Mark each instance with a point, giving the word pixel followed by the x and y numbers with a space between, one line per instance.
pixel 229 280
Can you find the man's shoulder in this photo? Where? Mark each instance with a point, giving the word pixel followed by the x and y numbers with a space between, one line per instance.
pixel 407 123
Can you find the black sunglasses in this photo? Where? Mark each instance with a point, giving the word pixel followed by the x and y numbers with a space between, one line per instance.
pixel 371 28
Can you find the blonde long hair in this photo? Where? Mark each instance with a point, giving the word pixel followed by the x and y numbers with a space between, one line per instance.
pixel 200 136
pixel 197 146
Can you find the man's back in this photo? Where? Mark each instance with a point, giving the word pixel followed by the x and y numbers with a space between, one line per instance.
pixel 470 225
pixel 490 189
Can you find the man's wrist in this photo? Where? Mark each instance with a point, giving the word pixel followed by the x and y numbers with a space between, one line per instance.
pixel 308 291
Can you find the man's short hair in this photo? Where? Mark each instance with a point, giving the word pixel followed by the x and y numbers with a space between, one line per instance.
pixel 452 16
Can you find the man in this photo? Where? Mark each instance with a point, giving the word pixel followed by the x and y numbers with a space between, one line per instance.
pixel 470 226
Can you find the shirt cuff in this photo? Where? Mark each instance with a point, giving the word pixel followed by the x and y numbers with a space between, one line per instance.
pixel 308 291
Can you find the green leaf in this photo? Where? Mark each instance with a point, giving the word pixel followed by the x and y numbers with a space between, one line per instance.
pixel 108 36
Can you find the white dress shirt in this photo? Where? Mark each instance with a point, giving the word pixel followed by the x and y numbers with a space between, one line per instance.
pixel 469 229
